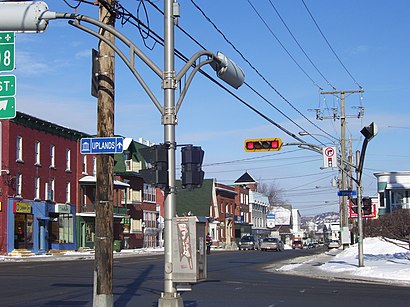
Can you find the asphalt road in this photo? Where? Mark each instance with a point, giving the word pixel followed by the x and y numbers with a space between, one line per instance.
pixel 235 278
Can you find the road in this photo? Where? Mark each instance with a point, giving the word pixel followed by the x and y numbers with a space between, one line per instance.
pixel 235 278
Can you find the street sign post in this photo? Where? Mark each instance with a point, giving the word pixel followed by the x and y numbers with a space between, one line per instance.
pixel 7 96
pixel 104 145
pixel 7 51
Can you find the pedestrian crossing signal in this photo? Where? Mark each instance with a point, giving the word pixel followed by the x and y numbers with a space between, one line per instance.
pixel 266 144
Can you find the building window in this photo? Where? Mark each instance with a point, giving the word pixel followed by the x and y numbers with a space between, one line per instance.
pixel 19 148
pixel 61 228
pixel 150 194
pixel 67 193
pixel 37 188
pixel 19 184
pixel 37 152
pixel 84 164
pixel 94 166
pixel 52 155
pixel 68 160
pixel 49 190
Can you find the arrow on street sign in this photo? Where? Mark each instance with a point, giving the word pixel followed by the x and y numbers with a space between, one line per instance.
pixel 104 145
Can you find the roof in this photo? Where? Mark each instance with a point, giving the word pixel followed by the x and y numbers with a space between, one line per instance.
pixel 197 201
pixel 245 179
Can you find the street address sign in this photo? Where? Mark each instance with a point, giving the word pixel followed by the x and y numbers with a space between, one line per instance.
pixel 7 51
pixel 7 96
pixel 104 145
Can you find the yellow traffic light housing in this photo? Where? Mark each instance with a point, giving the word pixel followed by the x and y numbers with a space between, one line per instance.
pixel 266 144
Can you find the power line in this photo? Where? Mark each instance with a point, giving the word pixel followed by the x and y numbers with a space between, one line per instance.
pixel 327 42
pixel 256 70
pixel 301 48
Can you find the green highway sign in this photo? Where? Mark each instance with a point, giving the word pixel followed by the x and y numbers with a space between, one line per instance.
pixel 7 107
pixel 7 51
pixel 7 85
pixel 7 96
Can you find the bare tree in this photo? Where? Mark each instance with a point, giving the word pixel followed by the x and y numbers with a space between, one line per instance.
pixel 272 191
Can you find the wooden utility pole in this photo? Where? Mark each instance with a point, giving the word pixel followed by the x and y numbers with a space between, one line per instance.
pixel 103 267
pixel 344 215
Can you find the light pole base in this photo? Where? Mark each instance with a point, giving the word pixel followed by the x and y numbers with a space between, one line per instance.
pixel 167 300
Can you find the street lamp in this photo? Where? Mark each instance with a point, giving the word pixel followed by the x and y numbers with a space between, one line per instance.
pixel 34 17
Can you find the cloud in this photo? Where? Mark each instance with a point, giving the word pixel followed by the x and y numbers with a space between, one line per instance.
pixel 360 49
pixel 31 64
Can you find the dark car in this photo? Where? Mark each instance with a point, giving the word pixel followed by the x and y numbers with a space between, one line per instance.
pixel 249 242
pixel 272 244
pixel 297 244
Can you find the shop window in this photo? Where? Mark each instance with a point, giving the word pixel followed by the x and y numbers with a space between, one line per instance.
pixel 61 228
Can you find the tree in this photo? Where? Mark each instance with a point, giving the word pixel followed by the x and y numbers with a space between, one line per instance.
pixel 272 191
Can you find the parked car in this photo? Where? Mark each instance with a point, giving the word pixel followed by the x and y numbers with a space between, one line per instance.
pixel 272 244
pixel 249 242
pixel 297 244
pixel 333 244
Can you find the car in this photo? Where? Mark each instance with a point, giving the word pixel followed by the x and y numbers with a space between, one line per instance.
pixel 249 242
pixel 297 244
pixel 272 244
pixel 333 244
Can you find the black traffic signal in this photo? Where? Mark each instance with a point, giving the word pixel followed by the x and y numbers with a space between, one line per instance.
pixel 367 206
pixel 266 144
pixel 191 167
pixel 157 157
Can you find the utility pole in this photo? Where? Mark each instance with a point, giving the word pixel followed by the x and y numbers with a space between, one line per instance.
pixel 103 267
pixel 344 216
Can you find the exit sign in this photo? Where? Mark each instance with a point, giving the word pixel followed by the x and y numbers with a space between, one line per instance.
pixel 7 51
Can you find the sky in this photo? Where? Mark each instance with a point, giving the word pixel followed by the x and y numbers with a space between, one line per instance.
pixel 383 259
pixel 290 52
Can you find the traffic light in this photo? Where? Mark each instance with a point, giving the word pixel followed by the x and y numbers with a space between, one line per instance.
pixel 367 206
pixel 266 144
pixel 191 163
pixel 353 207
pixel 157 174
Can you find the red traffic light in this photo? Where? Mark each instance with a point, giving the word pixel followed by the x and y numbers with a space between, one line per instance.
pixel 263 144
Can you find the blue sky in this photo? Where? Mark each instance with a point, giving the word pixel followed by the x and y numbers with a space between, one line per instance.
pixel 370 38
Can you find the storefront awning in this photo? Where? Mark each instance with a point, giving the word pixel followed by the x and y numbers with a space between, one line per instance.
pixel 92 214
pixel 92 180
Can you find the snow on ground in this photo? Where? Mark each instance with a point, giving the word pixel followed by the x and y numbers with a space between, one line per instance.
pixel 383 259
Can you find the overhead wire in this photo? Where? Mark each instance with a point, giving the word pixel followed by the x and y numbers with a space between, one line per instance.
pixel 330 46
pixel 300 47
pixel 256 70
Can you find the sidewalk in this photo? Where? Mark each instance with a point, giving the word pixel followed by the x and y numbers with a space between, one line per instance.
pixel 324 266
pixel 79 255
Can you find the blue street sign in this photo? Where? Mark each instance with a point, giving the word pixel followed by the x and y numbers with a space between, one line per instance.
pixel 346 193
pixel 108 145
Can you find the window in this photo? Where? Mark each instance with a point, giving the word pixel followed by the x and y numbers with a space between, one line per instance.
pixel 67 193
pixel 68 160
pixel 94 166
pixel 52 189
pixel 150 193
pixel 36 187
pixel 19 184
pixel 37 152
pixel 61 228
pixel 52 155
pixel 49 190
pixel 84 164
pixel 19 148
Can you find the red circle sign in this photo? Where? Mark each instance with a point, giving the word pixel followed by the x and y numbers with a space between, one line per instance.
pixel 329 151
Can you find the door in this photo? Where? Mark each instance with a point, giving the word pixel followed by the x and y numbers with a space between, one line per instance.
pixel 23 231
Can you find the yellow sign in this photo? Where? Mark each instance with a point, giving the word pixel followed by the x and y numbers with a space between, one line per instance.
pixel 21 207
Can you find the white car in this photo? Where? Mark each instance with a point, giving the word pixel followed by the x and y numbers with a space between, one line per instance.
pixel 333 244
